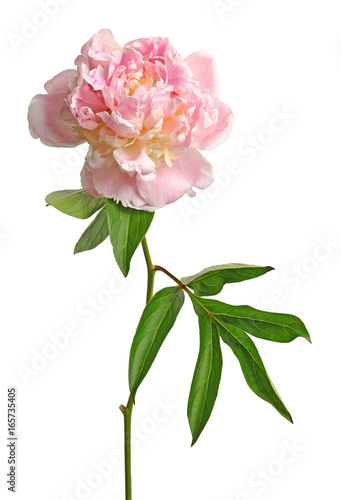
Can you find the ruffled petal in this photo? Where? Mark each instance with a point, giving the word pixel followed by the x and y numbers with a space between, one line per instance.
pixel 205 71
pixel 87 181
pixel 171 183
pixel 60 83
pixel 97 159
pixel 213 135
pixel 115 184
pixel 98 49
pixel 122 127
pixel 133 159
pixel 47 124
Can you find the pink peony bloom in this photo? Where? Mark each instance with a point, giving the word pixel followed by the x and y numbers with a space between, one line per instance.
pixel 144 111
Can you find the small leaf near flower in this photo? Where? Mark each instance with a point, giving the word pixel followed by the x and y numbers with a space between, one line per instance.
pixel 94 234
pixel 211 280
pixel 75 202
pixel 127 227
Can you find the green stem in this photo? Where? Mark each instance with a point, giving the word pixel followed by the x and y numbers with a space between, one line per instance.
pixel 150 269
pixel 127 410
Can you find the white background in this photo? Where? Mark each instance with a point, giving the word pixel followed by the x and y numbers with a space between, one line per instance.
pixel 277 203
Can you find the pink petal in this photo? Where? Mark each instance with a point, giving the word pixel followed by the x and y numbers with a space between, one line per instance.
pixel 46 123
pixel 98 161
pixel 205 71
pixel 132 60
pixel 60 83
pixel 113 183
pixel 157 70
pixel 179 75
pixel 84 95
pixel 171 183
pixel 97 77
pixel 122 127
pixel 102 44
pixel 87 181
pixel 150 47
pixel 133 159
pixel 98 49
pixel 218 132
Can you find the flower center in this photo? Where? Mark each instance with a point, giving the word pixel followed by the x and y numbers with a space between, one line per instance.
pixel 159 153
pixel 134 82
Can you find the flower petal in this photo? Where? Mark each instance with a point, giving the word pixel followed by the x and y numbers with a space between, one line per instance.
pixel 218 132
pixel 113 183
pixel 122 127
pixel 98 49
pixel 171 183
pixel 205 71
pixel 47 124
pixel 133 159
pixel 60 83
pixel 97 159
pixel 87 181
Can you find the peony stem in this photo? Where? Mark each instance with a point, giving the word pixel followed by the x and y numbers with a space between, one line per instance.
pixel 150 269
pixel 127 410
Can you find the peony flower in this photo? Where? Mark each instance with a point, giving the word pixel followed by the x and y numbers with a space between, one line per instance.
pixel 145 113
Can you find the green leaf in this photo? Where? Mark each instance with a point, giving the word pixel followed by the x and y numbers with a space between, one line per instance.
pixel 243 347
pixel 156 322
pixel 127 227
pixel 206 379
pixel 252 366
pixel 211 280
pixel 265 325
pixel 75 202
pixel 94 234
